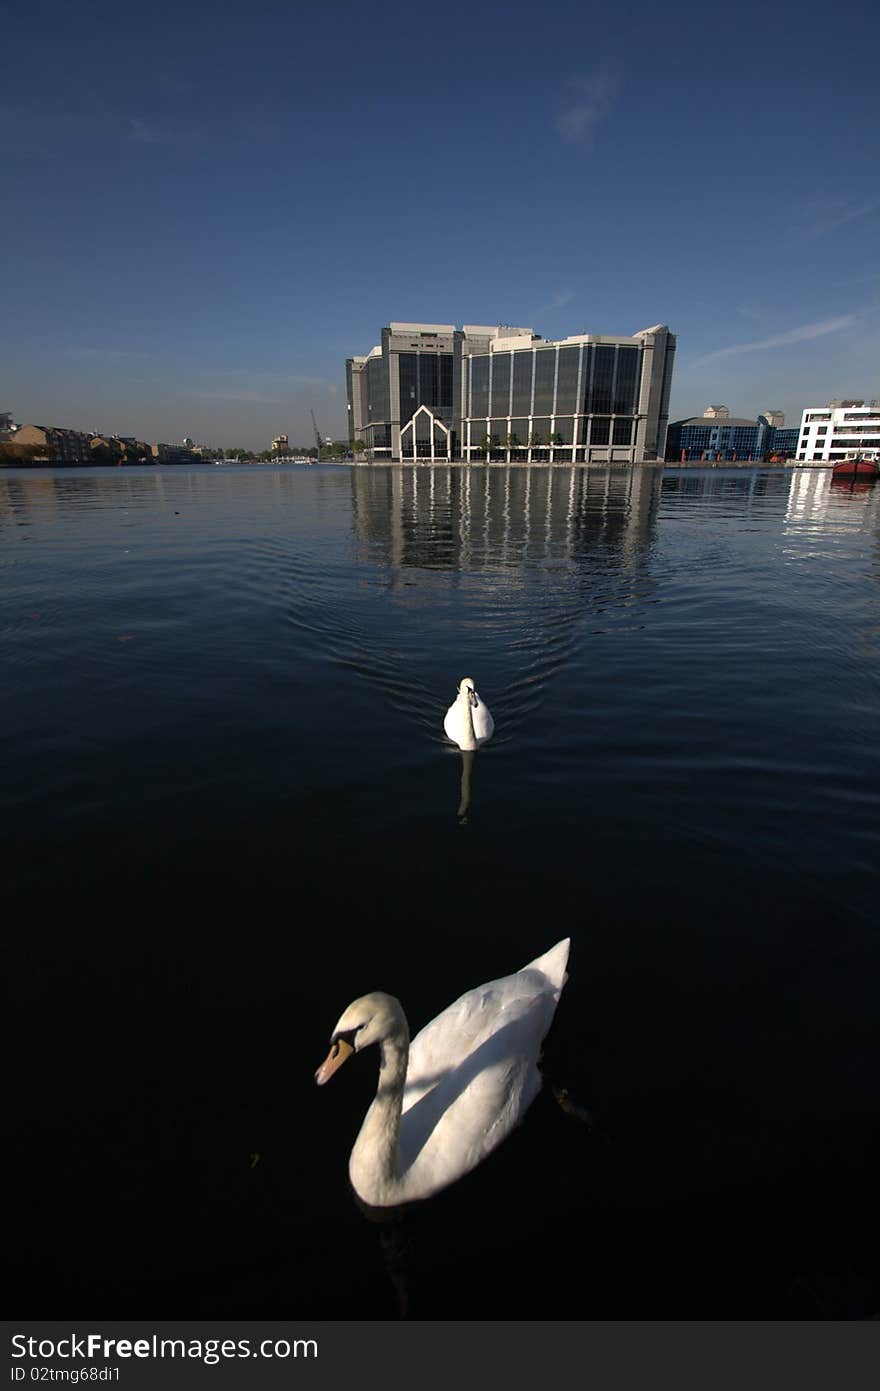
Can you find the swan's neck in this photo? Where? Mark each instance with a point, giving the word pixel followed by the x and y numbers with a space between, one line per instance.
pixel 374 1166
pixel 469 741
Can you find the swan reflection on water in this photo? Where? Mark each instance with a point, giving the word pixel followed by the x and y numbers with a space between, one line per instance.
pixel 464 804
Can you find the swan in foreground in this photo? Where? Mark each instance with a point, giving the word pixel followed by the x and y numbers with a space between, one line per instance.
pixel 468 722
pixel 447 1099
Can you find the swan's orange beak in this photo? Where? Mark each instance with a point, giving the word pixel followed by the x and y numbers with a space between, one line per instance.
pixel 333 1061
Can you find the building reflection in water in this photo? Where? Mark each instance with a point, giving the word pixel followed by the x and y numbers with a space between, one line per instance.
pixel 816 497
pixel 502 518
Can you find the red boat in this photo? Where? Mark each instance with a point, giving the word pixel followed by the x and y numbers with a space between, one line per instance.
pixel 863 464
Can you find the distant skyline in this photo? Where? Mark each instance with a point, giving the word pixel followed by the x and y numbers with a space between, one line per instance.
pixel 207 211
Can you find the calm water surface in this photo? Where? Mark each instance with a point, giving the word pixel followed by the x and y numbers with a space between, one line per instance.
pixel 228 809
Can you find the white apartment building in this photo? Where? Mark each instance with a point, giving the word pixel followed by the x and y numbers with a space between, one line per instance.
pixel 828 432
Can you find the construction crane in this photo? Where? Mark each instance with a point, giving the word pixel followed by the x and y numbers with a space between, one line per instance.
pixel 318 441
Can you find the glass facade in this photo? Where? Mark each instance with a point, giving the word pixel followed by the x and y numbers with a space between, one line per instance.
pixel 479 388
pixel 714 439
pixel 522 383
pixel 626 382
pixel 550 391
pixel 577 400
pixel 500 403
pixel 377 390
pixel 425 380
pixel 599 399
pixel 567 380
pixel 545 377
pixel 600 430
pixel 540 430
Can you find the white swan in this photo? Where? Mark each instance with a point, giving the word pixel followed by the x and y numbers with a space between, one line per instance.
pixel 468 722
pixel 447 1099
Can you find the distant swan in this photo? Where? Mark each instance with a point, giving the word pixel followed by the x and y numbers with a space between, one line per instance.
pixel 468 722
pixel 447 1099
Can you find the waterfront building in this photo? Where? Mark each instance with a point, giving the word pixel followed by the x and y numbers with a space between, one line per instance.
pixel 784 440
pixel 828 432
pixel 173 454
pixel 434 392
pixel 59 445
pixel 120 448
pixel 716 437
pixel 6 425
pixel 280 445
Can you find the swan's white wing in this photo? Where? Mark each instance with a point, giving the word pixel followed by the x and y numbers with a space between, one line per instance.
pixel 484 725
pixel 464 1025
pixel 473 1073
pixel 453 723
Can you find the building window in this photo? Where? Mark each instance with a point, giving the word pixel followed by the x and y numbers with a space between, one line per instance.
pixel 600 431
pixel 545 373
pixel 822 430
pixel 603 376
pixel 627 380
pixel 522 382
pixel 409 385
pixel 479 386
pixel 567 380
pixel 500 383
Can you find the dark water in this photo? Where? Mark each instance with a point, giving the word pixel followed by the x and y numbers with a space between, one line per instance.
pixel 227 810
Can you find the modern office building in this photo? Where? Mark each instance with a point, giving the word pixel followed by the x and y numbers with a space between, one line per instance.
pixel 716 436
pixel 784 441
pixel 828 432
pixel 434 392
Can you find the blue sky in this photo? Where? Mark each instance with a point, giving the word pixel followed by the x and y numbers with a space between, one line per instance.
pixel 207 209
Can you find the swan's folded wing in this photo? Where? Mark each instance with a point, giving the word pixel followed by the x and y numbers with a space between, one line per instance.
pixel 523 1002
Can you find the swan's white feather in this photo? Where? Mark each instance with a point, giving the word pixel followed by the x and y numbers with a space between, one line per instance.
pixel 455 723
pixel 472 1075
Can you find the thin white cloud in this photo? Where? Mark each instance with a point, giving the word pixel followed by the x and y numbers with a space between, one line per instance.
pixel 558 300
pixel 831 216
pixel 147 133
pixel 586 100
pixel 83 353
pixel 803 334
